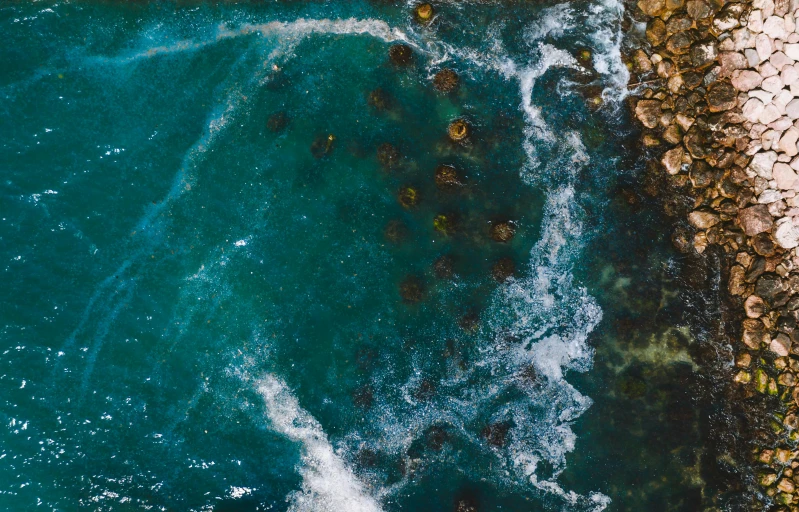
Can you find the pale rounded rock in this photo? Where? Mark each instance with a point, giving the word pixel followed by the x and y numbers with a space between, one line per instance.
pixel 790 25
pixel 754 306
pixel 767 69
pixel 791 50
pixel 769 196
pixel 789 75
pixel 752 147
pixel 770 114
pixel 783 97
pixel 769 139
pixel 752 57
pixel 787 145
pixel 743 38
pixel 779 60
pixel 746 80
pixel 772 84
pixel 703 220
pixel 752 110
pixel 774 27
pixel 730 61
pixel 777 208
pixel 762 95
pixel 792 109
pixel 757 130
pixel 780 125
pixel 762 163
pixel 767 6
pixel 786 234
pixel 755 21
pixel 763 46
pixel 755 219
pixel 672 160
pixel 785 177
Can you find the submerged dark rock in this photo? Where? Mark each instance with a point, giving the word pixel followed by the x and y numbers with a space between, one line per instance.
pixel 436 437
pixel 277 122
pixel 470 321
pixel 363 397
pixel 448 178
pixel 323 145
pixel 443 267
pixel 400 54
pixel 495 434
pixel 466 501
pixel 396 232
pixel 408 197
pixel 446 80
pixel 411 290
pixel 502 232
pixel 445 224
pixel 380 100
pixel 503 269
pixel 388 155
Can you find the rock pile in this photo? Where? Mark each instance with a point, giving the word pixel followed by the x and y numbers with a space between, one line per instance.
pixel 717 93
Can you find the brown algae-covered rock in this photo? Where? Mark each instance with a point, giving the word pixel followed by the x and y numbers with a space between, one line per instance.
pixel 424 12
pixel 443 267
pixel 408 197
pixel 446 80
pixel 448 178
pixel 388 155
pixel 400 54
pixel 458 130
pixel 411 290
pixel 503 269
pixel 502 231
pixel 445 224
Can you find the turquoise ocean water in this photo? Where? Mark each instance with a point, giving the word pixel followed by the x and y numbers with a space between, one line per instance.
pixel 213 299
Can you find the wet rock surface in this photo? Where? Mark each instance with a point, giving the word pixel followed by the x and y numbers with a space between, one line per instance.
pixel 716 93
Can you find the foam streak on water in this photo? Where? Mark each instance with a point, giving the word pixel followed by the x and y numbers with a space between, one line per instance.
pixel 328 485
pixel 551 314
pixel 287 36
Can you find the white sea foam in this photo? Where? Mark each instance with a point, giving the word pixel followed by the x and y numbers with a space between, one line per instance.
pixel 537 130
pixel 284 32
pixel 303 27
pixel 605 18
pixel 553 21
pixel 552 318
pixel 328 485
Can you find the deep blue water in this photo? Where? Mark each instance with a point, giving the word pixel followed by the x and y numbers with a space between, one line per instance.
pixel 214 300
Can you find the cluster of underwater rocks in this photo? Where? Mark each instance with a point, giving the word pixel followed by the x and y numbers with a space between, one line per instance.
pixel 447 178
pixel 716 88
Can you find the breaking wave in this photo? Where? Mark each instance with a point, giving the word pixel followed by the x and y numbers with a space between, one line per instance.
pixel 328 485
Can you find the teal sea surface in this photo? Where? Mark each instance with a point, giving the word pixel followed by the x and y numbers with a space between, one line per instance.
pixel 236 276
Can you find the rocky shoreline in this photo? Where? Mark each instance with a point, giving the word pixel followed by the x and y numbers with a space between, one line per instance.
pixel 715 87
